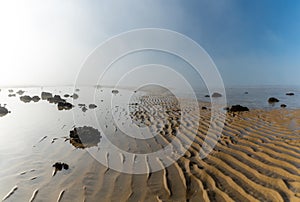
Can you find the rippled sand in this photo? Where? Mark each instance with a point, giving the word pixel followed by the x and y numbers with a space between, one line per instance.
pixel 257 158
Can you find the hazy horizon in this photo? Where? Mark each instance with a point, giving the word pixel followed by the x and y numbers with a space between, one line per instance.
pixel 252 43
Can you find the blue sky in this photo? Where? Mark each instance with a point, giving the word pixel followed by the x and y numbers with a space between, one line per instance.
pixel 251 42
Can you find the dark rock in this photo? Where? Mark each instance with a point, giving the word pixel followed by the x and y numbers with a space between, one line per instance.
pixel 238 108
pixel 56 99
pixel 3 111
pixel 92 106
pixel 226 108
pixel 74 96
pixel 84 109
pixel 246 92
pixel 59 166
pixel 20 92
pixel 46 95
pixel 65 166
pixel 35 98
pixel 66 95
pixel 290 93
pixel 215 94
pixel 64 106
pixel 204 108
pixel 84 137
pixel 272 100
pixel 25 98
pixel 283 105
pixel 10 91
pixel 115 92
pixel 206 96
pixel 81 105
pixel 11 95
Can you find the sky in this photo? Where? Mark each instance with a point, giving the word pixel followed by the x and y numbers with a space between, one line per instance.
pixel 251 42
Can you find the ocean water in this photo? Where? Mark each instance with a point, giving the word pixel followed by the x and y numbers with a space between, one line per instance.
pixel 257 97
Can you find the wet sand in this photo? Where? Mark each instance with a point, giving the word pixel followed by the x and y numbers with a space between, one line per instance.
pixel 257 158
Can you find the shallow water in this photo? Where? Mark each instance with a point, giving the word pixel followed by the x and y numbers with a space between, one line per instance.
pixel 33 138
pixel 257 97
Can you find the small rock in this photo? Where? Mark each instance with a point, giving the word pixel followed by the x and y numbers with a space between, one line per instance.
pixel 56 99
pixel 283 105
pixel 215 94
pixel 11 95
pixel 290 93
pixel 84 109
pixel 25 98
pixel 20 92
pixel 74 96
pixel 206 96
pixel 204 108
pixel 115 92
pixel 46 95
pixel 246 92
pixel 92 106
pixel 35 98
pixel 64 106
pixel 3 111
pixel 272 100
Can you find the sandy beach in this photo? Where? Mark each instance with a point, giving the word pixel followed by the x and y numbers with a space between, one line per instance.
pixel 257 157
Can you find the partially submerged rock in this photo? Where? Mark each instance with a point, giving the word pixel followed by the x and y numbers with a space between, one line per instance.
pixel 35 98
pixel 56 99
pixel 84 109
pixel 74 96
pixel 64 106
pixel 25 98
pixel 84 137
pixel 115 91
pixel 273 100
pixel 290 94
pixel 283 105
pixel 11 95
pixel 46 95
pixel 20 92
pixel 206 96
pixel 3 111
pixel 215 94
pixel 92 106
pixel 238 108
